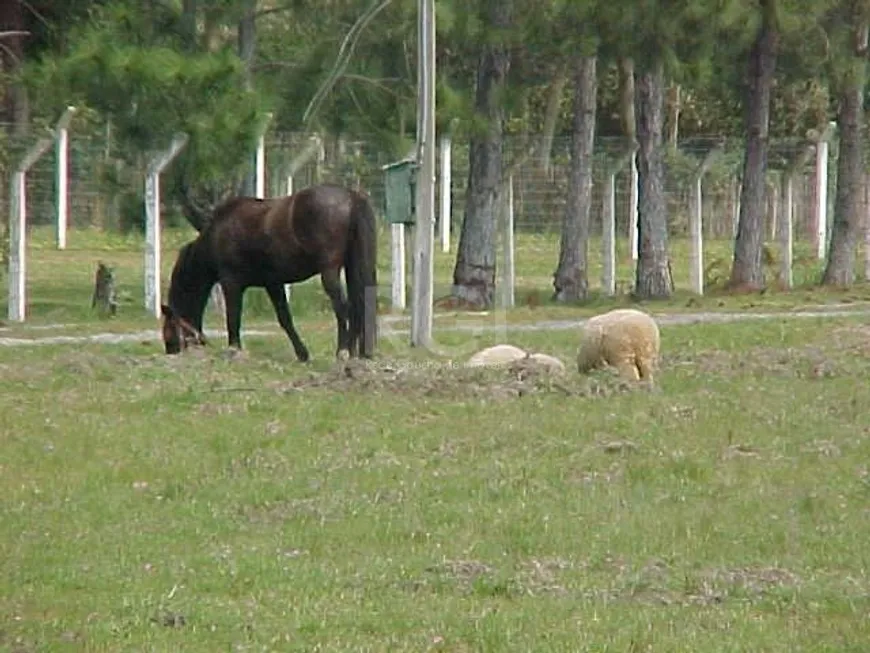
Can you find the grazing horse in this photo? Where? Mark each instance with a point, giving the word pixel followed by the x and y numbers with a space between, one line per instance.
pixel 268 243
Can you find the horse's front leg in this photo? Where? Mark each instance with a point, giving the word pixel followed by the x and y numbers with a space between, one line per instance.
pixel 233 299
pixel 285 319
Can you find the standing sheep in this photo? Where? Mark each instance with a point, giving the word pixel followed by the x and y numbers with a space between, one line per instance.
pixel 625 338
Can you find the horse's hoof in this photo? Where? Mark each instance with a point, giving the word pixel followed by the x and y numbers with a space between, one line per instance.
pixel 343 355
pixel 234 353
pixel 303 356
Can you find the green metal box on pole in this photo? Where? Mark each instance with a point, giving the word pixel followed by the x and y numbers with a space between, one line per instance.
pixel 399 192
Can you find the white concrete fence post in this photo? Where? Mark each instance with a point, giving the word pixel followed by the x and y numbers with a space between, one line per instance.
pixel 821 235
pixel 18 211
pixel 696 224
pixel 446 197
pixel 18 230
pixel 632 205
pixel 152 222
pixel 61 130
pixel 786 231
pixel 508 268
pixel 612 165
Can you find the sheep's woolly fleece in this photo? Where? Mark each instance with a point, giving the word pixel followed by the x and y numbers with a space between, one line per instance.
pixel 626 339
pixel 506 354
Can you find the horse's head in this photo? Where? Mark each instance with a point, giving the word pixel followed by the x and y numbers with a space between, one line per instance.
pixel 178 333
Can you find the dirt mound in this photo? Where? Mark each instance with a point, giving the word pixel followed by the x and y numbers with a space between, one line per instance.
pixel 445 380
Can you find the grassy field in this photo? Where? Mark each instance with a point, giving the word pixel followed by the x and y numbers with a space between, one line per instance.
pixel 60 283
pixel 206 503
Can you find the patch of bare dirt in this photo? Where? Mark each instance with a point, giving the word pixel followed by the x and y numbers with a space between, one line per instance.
pixel 532 577
pixel 277 512
pixel 503 382
pixel 751 583
pixel 657 583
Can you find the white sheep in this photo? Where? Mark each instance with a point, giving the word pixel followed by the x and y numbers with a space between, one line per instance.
pixel 626 339
pixel 506 354
pixel 497 355
pixel 549 363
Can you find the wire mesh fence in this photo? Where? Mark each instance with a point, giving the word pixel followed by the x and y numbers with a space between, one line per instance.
pixel 96 178
pixel 98 182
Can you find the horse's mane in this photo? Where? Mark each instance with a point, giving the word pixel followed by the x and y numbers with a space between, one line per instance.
pixel 230 206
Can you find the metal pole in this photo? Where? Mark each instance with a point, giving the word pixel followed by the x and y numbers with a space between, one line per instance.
pixel 421 325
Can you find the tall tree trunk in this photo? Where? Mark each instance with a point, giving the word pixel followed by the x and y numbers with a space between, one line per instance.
pixel 551 116
pixel 247 44
pixel 673 120
pixel 626 97
pixel 15 108
pixel 211 39
pixel 653 276
pixel 846 228
pixel 571 280
pixel 474 273
pixel 188 24
pixel 747 271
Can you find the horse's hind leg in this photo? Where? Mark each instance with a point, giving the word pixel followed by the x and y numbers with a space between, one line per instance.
pixel 285 319
pixel 331 281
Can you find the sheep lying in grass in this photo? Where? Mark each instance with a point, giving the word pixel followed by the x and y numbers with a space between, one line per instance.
pixel 626 339
pixel 507 354
pixel 551 363
pixel 497 355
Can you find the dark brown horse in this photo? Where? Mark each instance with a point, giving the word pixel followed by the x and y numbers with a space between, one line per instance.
pixel 268 243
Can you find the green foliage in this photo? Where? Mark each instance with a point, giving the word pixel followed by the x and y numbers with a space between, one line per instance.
pixel 128 65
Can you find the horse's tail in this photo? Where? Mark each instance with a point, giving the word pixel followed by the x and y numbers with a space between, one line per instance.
pixel 361 274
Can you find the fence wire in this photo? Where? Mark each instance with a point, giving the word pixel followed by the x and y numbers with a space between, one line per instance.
pixel 97 179
pixel 99 182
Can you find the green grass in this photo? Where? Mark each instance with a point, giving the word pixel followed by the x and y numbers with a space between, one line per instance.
pixel 60 283
pixel 206 503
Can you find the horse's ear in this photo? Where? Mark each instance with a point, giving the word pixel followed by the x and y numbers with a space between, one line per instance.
pixel 166 311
